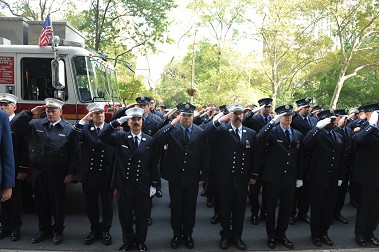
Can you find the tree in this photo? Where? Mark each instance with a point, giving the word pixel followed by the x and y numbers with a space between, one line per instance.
pixel 37 10
pixel 287 30
pixel 355 26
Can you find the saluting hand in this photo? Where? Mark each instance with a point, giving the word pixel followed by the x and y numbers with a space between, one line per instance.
pixel 276 118
pixel 300 108
pixel 373 118
pixel 88 117
pixel 176 120
pixel 172 113
pixel 225 118
pixel 257 109
pixel 38 110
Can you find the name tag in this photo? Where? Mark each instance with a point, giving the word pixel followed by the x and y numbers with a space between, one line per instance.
pixel 61 135
pixel 41 131
pixel 124 146
pixel 279 141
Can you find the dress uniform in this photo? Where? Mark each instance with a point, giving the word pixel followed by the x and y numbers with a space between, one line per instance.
pixel 282 168
pixel 257 122
pixel 303 122
pixel 135 171
pixel 233 170
pixel 95 173
pixel 11 210
pixel 366 174
pixel 185 165
pixel 347 134
pixel 325 174
pixel 53 152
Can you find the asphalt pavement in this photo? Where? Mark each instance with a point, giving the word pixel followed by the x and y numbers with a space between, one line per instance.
pixel 206 235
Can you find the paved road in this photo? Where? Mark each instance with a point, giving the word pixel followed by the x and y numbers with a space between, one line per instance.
pixel 206 235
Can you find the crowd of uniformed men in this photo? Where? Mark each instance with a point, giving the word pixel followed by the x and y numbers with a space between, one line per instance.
pixel 302 160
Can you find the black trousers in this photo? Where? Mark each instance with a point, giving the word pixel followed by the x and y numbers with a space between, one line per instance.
pixel 254 191
pixel 91 196
pixel 211 192
pixel 284 195
pixel 137 205
pixel 301 200
pixel 49 194
pixel 11 210
pixel 367 216
pixel 232 205
pixel 342 190
pixel 322 203
pixel 183 208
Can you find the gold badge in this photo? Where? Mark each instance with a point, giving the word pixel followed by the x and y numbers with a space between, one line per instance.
pixel 247 144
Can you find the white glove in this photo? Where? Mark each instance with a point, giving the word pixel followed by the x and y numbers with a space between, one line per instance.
pixel 299 183
pixel 153 190
pixel 123 119
pixel 373 118
pixel 276 118
pixel 218 116
pixel 339 182
pixel 257 109
pixel 322 123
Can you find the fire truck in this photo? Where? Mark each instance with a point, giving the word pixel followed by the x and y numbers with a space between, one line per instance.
pixel 64 70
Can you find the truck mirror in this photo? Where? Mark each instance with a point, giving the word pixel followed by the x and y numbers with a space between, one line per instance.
pixel 57 74
pixel 100 92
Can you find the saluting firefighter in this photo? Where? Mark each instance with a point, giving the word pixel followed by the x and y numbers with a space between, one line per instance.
pixel 281 173
pixel 53 152
pixel 303 122
pixel 326 173
pixel 135 175
pixel 95 173
pixel 366 174
pixel 234 169
pixel 185 166
pixel 11 210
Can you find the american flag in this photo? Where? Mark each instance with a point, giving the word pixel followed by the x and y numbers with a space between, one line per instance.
pixel 46 33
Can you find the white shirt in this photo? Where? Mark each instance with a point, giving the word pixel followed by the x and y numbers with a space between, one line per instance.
pixel 139 136
pixel 239 130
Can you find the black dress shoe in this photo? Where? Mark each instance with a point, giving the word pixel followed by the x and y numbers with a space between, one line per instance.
pixel 341 219
pixel 224 244
pixel 42 235
pixel 209 203
pixel 360 241
pixel 106 237
pixel 91 237
pixel 188 241
pixel 150 221
pixel 316 242
pixel 158 193
pixel 287 243
pixel 2 231
pixel 57 238
pixel 126 246
pixel 374 240
pixel 304 218
pixel 254 219
pixel 240 244
pixel 271 243
pixel 141 247
pixel 175 242
pixel 15 236
pixel 327 240
pixel 215 219
pixel 291 220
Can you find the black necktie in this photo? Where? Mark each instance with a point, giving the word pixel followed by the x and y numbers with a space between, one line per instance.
pixel 136 141
pixel 186 135
pixel 266 120
pixel 332 136
pixel 237 135
pixel 288 138
pixel 98 130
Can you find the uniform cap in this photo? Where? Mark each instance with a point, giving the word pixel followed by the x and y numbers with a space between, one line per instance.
pixel 288 109
pixel 95 107
pixel 340 112
pixel 235 107
pixel 330 113
pixel 143 100
pixel 53 103
pixel 303 102
pixel 8 98
pixel 186 108
pixel 265 102
pixel 370 107
pixel 353 111
pixel 223 109
pixel 134 112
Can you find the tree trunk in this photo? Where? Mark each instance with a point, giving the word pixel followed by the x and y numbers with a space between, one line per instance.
pixel 338 88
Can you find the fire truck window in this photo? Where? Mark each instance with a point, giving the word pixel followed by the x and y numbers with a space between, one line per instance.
pixel 36 79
